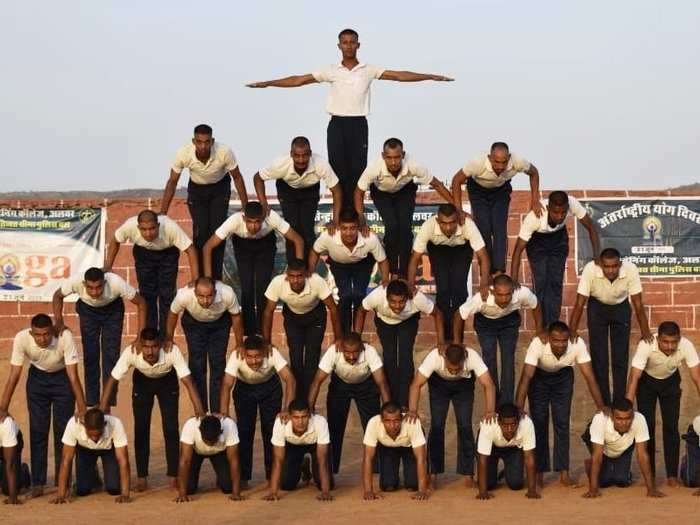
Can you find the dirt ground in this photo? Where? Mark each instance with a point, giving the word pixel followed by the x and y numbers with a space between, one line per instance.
pixel 450 503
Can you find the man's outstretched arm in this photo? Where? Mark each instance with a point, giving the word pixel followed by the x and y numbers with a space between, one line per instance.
pixel 410 76
pixel 286 82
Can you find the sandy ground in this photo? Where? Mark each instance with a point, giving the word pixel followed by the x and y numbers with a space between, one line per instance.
pixel 450 503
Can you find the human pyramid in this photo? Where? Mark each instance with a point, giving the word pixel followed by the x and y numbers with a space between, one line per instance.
pixel 299 443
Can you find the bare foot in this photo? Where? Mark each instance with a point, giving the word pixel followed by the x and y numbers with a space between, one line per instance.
pixel 540 479
pixel 141 484
pixel 469 482
pixel 673 482
pixel 37 491
pixel 173 482
pixel 566 480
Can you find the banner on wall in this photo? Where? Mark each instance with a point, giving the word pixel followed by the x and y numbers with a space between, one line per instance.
pixel 39 247
pixel 424 279
pixel 661 235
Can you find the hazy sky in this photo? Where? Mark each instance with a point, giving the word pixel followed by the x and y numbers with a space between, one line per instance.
pixel 99 94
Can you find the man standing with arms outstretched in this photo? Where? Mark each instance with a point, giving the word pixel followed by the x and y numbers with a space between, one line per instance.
pixel 208 190
pixel 348 105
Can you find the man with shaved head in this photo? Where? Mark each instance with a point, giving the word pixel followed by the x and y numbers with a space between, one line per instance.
pixel 210 309
pixel 158 242
pixel 488 185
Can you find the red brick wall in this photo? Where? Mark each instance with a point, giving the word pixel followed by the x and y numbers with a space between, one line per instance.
pixel 677 299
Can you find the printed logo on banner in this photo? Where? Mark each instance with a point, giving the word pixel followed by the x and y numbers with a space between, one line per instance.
pixel 10 266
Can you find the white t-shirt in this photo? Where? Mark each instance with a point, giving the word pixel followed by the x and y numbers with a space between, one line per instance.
pixel 430 232
pixel 224 301
pixel 8 433
pixel 541 355
pixel 481 170
pixel 166 362
pixel 435 363
pixel 221 161
pixel 378 302
pixel 315 290
pixel 349 94
pixel 522 298
pixel 532 223
pixel 237 367
pixel 614 444
pixel 654 362
pixel 338 252
pixel 368 362
pixel 169 234
pixel 378 174
pixel 60 352
pixel 235 225
pixel 491 435
pixel 114 288
pixel 112 434
pixel 410 435
pixel 191 435
pixel 318 170
pixel 594 283
pixel 316 433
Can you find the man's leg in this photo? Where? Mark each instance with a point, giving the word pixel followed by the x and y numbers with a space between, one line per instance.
pixel 463 404
pixel 168 394
pixel 539 397
pixel 410 468
pixel 218 343
pixel 169 260
pixel 441 268
pixel 220 195
pixel 142 397
pixel 439 396
pixel 488 341
pixel 337 408
pixel 513 465
pixel 110 469
pixel 243 250
pixel 291 466
pixel 296 337
pixel 460 265
pixel 556 268
pixel 270 402
pixel 406 337
pixel 337 159
pixel 620 343
pixel 342 274
pixel 404 204
pixel 360 277
pixel 508 341
pixel 388 338
pixel 313 340
pixel 384 202
pixel 562 390
pixel 90 329
pixel 481 212
pixel 291 203
pixel 85 467
pixel 63 402
pixel 622 468
pixel 538 257
pixel 355 138
pixel 198 204
pixel 670 402
pixel 222 469
pixel 197 341
pixel 598 340
pixel 647 394
pixel 500 202
pixel 246 415
pixel 111 342
pixel 39 403
pixel 193 477
pixel 146 263
pixel 264 265
pixel 389 462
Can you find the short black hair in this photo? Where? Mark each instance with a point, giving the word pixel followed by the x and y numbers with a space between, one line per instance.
pixel 558 326
pixel 610 253
pixel 558 198
pixel 508 411
pixel 210 428
pixel 390 407
pixel 500 145
pixel 392 143
pixel 147 216
pixel 149 334
pixel 669 328
pixel 208 281
pixel 349 215
pixel 299 405
pixel 253 210
pixel 94 275
pixel 622 404
pixel 41 321
pixel 503 279
pixel 253 342
pixel 455 354
pixel 398 287
pixel 296 265
pixel 203 129
pixel 447 209
pixel 300 142
pixel 350 32
pixel 94 419
pixel 352 338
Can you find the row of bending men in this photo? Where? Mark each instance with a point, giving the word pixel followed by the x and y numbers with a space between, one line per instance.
pixel 291 430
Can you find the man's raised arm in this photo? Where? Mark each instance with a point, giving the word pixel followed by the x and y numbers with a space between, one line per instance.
pixel 286 82
pixel 410 76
